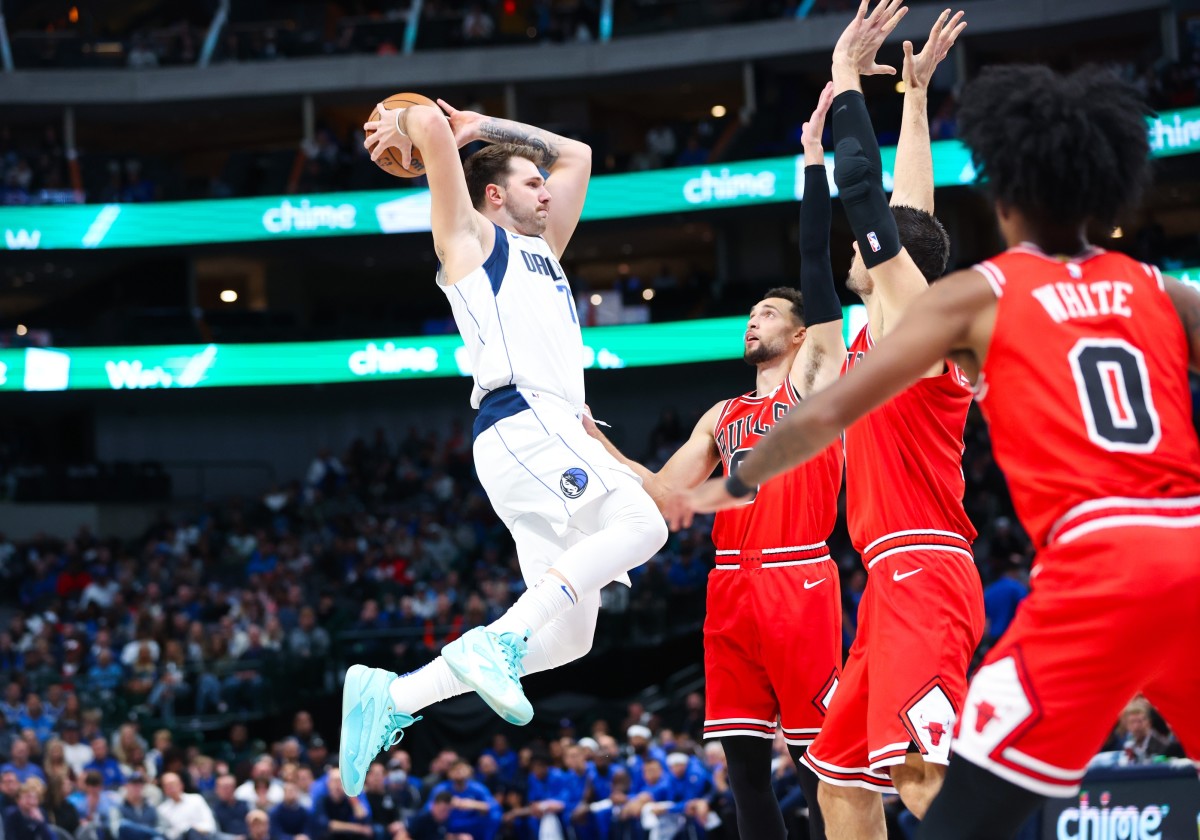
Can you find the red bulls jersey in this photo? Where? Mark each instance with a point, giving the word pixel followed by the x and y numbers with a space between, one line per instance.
pixel 795 509
pixel 1085 388
pixel 904 478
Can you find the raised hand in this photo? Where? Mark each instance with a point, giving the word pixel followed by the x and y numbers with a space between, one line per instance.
pixel 861 40
pixel 814 128
pixel 918 68
pixel 464 124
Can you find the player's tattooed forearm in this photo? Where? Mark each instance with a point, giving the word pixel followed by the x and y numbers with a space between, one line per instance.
pixel 505 131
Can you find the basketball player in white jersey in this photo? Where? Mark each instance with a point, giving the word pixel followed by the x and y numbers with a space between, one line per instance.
pixel 579 518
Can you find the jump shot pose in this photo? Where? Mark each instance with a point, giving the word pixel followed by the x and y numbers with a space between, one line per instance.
pixel 580 519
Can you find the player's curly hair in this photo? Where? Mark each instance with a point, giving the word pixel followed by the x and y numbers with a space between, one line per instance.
pixel 490 165
pixel 1060 149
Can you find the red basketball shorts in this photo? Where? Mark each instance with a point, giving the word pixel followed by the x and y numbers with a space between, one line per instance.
pixel 1114 610
pixel 920 619
pixel 772 643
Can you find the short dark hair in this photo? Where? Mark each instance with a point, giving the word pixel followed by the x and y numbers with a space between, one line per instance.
pixel 93 779
pixel 792 296
pixel 490 165
pixel 1060 149
pixel 926 241
pixel 444 798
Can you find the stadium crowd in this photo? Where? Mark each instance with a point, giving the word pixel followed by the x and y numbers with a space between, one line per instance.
pixel 110 651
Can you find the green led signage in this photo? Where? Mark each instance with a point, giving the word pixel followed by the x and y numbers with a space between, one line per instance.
pixel 771 180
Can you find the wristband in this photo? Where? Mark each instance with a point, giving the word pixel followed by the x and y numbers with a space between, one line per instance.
pixel 735 487
pixel 398 128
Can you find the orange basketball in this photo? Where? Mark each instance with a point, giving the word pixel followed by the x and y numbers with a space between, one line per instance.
pixel 389 161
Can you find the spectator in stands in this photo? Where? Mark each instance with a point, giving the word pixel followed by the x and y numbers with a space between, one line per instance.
pixel 12 706
pixel 26 821
pixel 139 819
pixel 77 754
pixel 434 822
pixel 228 810
pixel 1135 736
pixel 290 820
pixel 94 804
pixel 1002 597
pixel 487 773
pixel 547 792
pixel 405 789
pixel 242 689
pixel 184 816
pixel 307 639
pixel 20 765
pixel 59 811
pixel 304 784
pixel 640 750
pixel 337 816
pixel 475 811
pixel 108 768
pixel 318 753
pixel 54 759
pixel 385 808
pixel 143 674
pixel 506 759
pixel 34 717
pixel 262 790
pixel 257 826
pixel 10 788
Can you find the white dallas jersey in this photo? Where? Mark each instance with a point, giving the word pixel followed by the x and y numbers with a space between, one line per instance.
pixel 517 317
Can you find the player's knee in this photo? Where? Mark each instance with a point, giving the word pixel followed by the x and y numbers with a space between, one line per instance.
pixel 577 648
pixel 917 786
pixel 636 514
pixel 832 797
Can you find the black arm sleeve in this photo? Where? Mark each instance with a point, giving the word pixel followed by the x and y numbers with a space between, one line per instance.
pixel 858 173
pixel 850 119
pixel 821 304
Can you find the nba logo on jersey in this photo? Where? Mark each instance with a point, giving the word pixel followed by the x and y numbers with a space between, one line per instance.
pixel 573 482
pixel 873 240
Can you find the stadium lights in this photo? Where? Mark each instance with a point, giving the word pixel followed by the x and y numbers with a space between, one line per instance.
pixel 229 296
pixel 718 111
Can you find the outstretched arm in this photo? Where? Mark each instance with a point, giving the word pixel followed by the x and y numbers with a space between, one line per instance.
pixel 913 181
pixel 459 237
pixel 568 162
pixel 941 321
pixel 819 361
pixel 689 466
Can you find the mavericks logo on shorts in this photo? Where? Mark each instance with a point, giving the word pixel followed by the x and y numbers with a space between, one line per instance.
pixel 573 482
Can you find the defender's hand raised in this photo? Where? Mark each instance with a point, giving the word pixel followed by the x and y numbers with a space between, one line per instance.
pixel 918 68
pixel 861 40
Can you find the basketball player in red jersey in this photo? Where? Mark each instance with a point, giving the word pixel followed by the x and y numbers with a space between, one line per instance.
pixel 772 633
pixel 1080 361
pixel 889 725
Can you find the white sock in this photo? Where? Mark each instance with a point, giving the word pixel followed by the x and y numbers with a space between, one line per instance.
pixel 423 687
pixel 545 601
